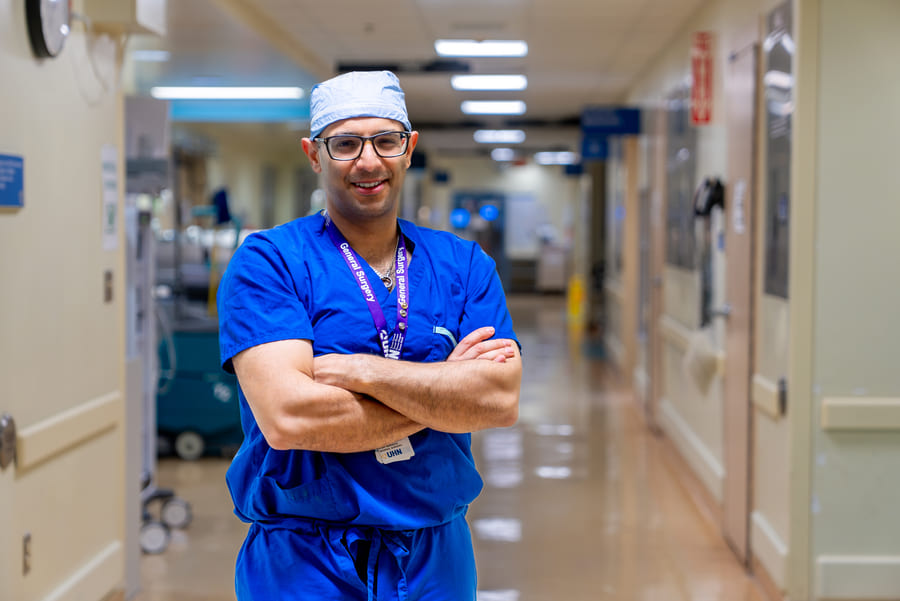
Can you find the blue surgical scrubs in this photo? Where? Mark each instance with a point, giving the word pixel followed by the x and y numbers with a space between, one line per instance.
pixel 313 513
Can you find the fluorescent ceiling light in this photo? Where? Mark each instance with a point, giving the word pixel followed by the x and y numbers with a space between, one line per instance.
pixel 226 93
pixel 556 158
pixel 499 136
pixel 493 107
pixel 483 48
pixel 489 82
pixel 503 154
pixel 151 56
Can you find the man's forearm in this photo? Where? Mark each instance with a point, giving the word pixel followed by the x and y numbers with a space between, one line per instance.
pixel 452 396
pixel 353 424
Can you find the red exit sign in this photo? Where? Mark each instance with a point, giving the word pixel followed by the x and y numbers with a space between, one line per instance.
pixel 702 78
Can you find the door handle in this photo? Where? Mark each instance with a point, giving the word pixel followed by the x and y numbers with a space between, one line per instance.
pixel 723 311
pixel 7 440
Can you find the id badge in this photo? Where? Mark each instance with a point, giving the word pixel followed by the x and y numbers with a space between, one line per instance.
pixel 396 451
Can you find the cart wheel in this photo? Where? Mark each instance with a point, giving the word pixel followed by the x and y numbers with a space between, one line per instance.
pixel 154 537
pixel 189 445
pixel 176 513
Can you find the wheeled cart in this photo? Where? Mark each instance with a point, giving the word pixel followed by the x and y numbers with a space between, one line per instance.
pixel 197 410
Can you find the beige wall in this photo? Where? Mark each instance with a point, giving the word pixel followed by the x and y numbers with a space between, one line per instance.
pixel 855 323
pixel 61 344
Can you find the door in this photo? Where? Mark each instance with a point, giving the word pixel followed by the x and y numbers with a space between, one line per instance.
pixel 740 110
pixel 61 373
pixel 656 261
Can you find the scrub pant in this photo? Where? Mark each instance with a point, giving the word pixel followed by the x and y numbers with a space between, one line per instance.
pixel 300 560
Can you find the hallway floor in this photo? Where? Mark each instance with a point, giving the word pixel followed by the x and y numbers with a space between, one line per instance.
pixel 580 501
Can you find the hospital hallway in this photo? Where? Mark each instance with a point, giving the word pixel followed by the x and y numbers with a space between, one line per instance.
pixel 581 501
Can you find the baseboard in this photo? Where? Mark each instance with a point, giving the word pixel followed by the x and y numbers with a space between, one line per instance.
pixel 855 577
pixel 764 580
pixel 712 512
pixel 694 487
pixel 117 595
pixel 707 506
pixel 703 463
pixel 769 549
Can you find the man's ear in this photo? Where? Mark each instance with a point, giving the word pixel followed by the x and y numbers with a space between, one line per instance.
pixel 413 140
pixel 311 149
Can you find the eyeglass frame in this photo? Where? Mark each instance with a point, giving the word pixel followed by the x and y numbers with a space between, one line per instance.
pixel 407 135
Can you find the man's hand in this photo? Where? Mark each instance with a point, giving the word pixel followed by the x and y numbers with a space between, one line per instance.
pixel 477 346
pixel 461 394
pixel 331 369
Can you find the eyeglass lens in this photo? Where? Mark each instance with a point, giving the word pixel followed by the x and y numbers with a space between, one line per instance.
pixel 388 144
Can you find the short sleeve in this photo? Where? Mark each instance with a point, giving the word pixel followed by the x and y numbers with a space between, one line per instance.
pixel 485 303
pixel 260 299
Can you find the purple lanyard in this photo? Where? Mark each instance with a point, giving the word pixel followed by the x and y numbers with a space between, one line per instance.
pixel 391 344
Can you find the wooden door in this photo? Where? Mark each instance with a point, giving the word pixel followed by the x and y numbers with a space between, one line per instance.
pixel 740 111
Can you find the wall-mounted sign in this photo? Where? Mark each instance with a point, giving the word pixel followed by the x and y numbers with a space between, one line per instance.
pixel 12 181
pixel 600 122
pixel 611 120
pixel 702 78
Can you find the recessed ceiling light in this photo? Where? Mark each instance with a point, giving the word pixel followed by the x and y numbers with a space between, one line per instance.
pixel 503 154
pixel 556 158
pixel 493 107
pixel 489 82
pixel 499 136
pixel 226 93
pixel 481 48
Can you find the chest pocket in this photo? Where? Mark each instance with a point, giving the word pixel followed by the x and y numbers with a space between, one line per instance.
pixel 443 341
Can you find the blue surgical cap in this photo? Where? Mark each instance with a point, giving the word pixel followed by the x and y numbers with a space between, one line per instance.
pixel 357 94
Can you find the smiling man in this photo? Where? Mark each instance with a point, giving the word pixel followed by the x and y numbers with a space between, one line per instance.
pixel 367 350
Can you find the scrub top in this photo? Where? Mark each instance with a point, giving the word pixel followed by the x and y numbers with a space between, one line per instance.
pixel 291 282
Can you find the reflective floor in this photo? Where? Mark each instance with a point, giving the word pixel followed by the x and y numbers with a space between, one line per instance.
pixel 579 502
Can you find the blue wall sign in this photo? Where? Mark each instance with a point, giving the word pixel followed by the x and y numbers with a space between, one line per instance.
pixel 600 122
pixel 12 181
pixel 594 147
pixel 611 121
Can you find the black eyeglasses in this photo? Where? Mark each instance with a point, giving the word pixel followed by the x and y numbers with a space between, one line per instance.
pixel 348 148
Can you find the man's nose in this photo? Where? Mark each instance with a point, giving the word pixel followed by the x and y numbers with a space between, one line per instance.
pixel 368 154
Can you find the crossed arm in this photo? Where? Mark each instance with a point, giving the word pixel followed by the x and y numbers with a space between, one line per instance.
pixel 350 403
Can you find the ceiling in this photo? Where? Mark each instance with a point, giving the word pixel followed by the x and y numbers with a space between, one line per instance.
pixel 581 53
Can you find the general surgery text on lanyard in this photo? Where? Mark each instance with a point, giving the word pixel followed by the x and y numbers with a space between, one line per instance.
pixel 391 343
